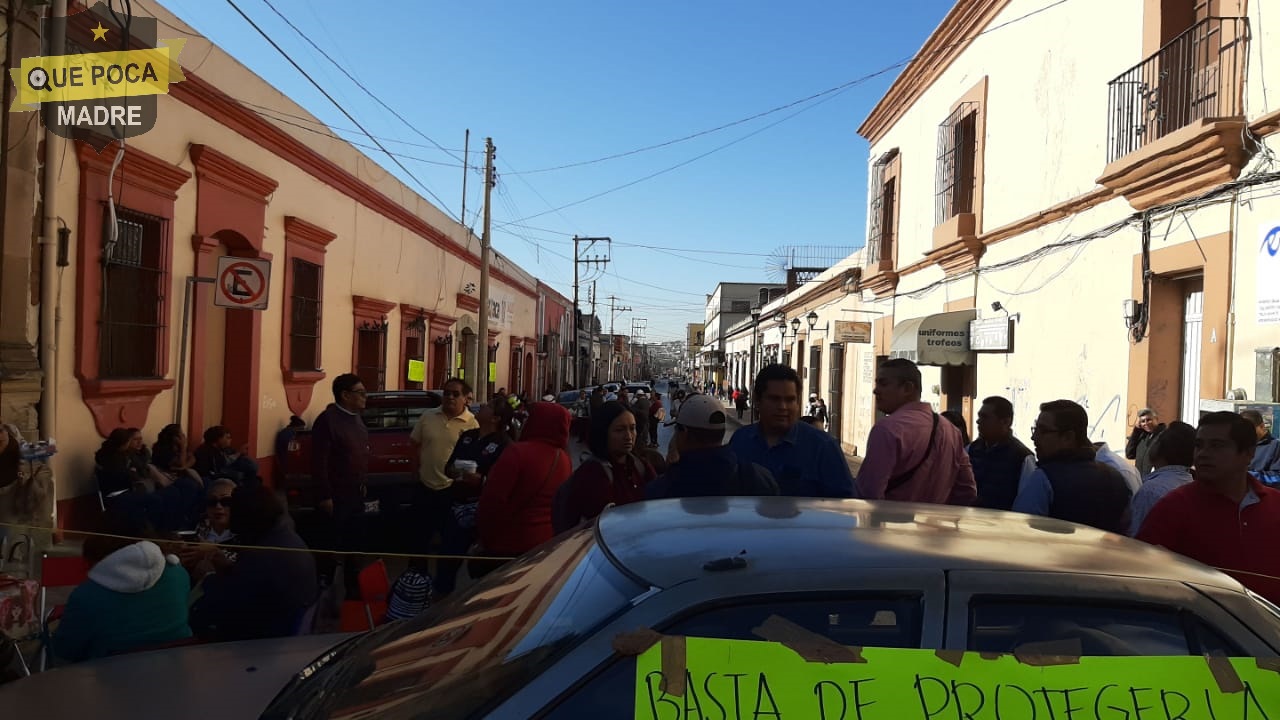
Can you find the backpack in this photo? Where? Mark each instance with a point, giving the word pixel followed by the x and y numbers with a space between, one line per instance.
pixel 563 515
pixel 747 481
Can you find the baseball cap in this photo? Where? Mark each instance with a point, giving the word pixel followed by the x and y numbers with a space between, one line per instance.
pixel 701 411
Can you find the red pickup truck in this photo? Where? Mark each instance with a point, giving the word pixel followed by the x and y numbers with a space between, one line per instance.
pixel 390 417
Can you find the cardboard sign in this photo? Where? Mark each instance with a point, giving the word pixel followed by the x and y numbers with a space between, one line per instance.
pixel 417 371
pixel 808 676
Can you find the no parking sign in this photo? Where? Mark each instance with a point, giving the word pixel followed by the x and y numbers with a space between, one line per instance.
pixel 242 283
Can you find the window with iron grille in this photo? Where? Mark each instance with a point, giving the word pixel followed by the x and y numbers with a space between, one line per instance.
pixel 133 288
pixel 371 355
pixel 957 162
pixel 304 334
pixel 883 209
pixel 740 306
pixel 815 369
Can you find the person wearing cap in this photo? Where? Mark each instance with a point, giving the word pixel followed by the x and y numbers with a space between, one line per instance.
pixel 707 466
pixel 641 407
pixel 805 461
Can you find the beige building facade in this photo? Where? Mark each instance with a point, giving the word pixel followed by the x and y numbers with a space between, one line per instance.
pixel 365 275
pixel 1101 209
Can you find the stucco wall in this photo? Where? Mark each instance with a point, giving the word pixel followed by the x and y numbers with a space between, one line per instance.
pixel 1046 129
pixel 372 256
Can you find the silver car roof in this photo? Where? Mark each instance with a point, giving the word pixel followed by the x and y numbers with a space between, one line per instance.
pixel 666 542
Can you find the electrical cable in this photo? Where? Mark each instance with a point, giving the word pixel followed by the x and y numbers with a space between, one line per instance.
pixel 442 206
pixel 679 165
pixel 829 91
pixel 357 82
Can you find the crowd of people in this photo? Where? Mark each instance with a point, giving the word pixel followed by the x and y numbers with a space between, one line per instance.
pixel 499 481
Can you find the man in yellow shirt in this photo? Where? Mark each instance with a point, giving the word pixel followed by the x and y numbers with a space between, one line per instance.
pixel 433 437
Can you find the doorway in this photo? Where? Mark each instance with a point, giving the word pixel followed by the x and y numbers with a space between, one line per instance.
pixel 1192 336
pixel 412 351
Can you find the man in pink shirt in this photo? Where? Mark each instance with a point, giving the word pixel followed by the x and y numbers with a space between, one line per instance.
pixel 912 454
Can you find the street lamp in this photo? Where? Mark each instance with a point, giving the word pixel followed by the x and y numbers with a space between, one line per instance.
pixel 812 317
pixel 795 327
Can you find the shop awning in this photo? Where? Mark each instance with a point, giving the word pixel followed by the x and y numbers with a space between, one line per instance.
pixel 941 339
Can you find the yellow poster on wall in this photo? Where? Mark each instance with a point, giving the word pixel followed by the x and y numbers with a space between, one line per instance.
pixel 808 676
pixel 493 372
pixel 417 371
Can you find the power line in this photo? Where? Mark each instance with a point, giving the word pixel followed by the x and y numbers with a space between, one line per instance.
pixel 829 91
pixel 443 207
pixel 358 84
pixel 679 165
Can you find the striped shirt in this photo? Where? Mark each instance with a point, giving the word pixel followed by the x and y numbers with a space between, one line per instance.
pixel 410 596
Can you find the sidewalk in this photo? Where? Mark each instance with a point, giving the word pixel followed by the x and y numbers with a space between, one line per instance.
pixel 855 461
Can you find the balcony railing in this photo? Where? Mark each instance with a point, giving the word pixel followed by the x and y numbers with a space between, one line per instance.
pixel 1198 75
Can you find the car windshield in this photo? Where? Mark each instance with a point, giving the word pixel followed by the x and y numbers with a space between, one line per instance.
pixel 471 652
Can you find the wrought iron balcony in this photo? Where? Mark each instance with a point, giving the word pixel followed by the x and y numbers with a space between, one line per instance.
pixel 1198 75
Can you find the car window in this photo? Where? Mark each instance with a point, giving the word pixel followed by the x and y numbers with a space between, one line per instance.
pixel 479 646
pixel 869 621
pixel 1008 626
pixel 385 417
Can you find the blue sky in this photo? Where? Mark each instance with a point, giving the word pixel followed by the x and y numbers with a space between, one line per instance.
pixel 564 81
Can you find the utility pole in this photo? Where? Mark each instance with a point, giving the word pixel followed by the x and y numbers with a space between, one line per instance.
pixel 637 330
pixel 600 260
pixel 482 353
pixel 466 170
pixel 613 315
pixel 595 369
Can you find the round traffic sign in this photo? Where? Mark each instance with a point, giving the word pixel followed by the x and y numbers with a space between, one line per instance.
pixel 242 283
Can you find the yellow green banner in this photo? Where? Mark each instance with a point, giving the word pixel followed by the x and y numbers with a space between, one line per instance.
pixel 493 372
pixel 97 76
pixel 417 371
pixel 684 678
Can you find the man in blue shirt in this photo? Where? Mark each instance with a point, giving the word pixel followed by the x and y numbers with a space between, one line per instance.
pixel 805 461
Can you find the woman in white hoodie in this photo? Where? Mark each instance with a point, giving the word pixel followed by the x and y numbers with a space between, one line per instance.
pixel 135 598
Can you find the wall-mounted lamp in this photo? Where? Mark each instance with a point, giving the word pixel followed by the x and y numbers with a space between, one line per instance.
pixel 812 317
pixel 795 327
pixel 998 307
pixel 419 323
pixel 755 314
pixel 1132 313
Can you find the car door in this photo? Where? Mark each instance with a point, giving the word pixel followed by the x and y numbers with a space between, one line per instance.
pixel 884 608
pixel 1093 615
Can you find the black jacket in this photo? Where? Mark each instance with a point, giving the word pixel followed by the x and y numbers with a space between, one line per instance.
pixel 997 470
pixel 1086 491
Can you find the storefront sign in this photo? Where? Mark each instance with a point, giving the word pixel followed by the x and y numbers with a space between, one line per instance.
pixel 1268 270
pixel 852 332
pixel 991 335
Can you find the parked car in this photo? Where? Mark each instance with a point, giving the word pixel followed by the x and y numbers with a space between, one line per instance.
pixel 535 638
pixel 390 417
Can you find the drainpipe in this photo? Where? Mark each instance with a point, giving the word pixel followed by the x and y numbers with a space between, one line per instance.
pixel 1227 379
pixel 49 306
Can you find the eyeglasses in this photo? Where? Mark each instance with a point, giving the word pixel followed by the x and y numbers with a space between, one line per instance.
pixel 215 501
pixel 1037 430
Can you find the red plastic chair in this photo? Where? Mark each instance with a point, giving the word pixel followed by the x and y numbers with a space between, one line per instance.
pixel 57 572
pixel 371 609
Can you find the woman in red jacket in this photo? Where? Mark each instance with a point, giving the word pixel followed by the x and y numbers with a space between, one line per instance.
pixel 514 515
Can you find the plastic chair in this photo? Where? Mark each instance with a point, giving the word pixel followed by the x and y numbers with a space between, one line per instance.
pixel 371 609
pixel 56 572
